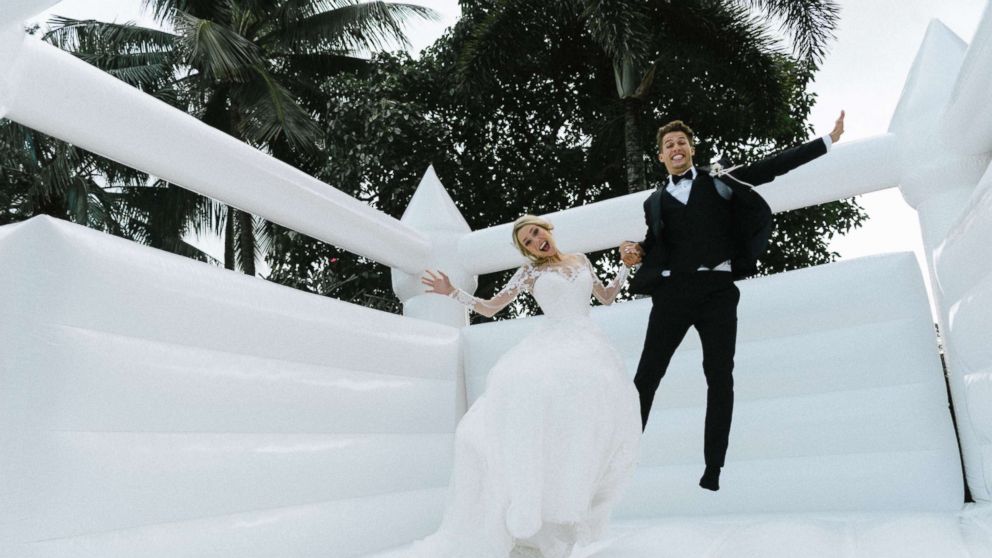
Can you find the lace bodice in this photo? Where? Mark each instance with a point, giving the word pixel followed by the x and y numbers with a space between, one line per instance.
pixel 562 290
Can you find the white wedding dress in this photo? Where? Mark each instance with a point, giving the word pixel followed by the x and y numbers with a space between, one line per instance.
pixel 543 454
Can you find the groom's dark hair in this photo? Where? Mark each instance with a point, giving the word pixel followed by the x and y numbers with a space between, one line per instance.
pixel 675 126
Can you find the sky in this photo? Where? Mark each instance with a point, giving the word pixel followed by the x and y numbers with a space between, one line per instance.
pixel 863 74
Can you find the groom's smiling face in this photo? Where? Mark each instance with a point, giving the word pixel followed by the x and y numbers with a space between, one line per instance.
pixel 676 152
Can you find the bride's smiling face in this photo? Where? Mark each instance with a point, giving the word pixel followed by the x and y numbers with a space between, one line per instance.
pixel 538 241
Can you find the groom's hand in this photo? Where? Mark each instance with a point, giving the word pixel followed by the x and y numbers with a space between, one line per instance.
pixel 838 129
pixel 631 253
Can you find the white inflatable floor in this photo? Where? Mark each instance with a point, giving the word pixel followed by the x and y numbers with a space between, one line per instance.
pixel 806 536
pixel 155 406
pixel 965 535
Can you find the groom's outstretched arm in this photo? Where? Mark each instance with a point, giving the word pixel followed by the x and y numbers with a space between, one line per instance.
pixel 767 169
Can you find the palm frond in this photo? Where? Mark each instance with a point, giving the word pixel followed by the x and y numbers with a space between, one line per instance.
pixel 619 27
pixel 286 12
pixel 166 11
pixel 721 32
pixel 484 49
pixel 216 50
pixel 160 215
pixel 147 72
pixel 270 111
pixel 721 52
pixel 811 23
pixel 143 58
pixel 75 35
pixel 352 26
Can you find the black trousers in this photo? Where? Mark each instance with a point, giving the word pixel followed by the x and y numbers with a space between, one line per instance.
pixel 706 300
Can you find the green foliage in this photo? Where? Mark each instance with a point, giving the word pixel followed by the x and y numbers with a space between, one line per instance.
pixel 43 176
pixel 537 127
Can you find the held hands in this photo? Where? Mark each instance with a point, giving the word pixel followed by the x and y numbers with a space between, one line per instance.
pixel 838 128
pixel 439 283
pixel 631 253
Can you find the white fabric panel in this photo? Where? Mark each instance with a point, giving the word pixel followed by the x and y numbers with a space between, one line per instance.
pixel 790 427
pixel 967 121
pixel 849 169
pixel 978 391
pixel 965 256
pixel 970 327
pixel 101 481
pixel 840 397
pixel 967 534
pixel 199 305
pixel 880 535
pixel 338 529
pixel 979 386
pixel 930 81
pixel 844 482
pixel 217 391
pixel 15 11
pixel 145 395
pixel 970 360
pixel 963 268
pixel 843 301
pixel 759 372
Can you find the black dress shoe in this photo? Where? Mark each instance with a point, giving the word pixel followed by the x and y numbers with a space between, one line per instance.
pixel 710 479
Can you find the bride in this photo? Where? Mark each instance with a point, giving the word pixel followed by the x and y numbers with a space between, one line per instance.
pixel 541 456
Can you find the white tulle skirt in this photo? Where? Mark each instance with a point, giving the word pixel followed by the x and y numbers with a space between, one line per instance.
pixel 542 456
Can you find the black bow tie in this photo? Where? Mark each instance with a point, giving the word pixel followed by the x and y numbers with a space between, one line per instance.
pixel 686 176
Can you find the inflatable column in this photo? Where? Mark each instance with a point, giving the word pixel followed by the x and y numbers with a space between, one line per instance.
pixel 944 157
pixel 433 214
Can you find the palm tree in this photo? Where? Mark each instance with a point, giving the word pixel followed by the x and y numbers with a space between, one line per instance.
pixel 251 68
pixel 640 36
pixel 40 175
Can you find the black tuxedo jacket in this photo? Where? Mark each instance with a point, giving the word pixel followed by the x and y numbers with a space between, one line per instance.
pixel 752 218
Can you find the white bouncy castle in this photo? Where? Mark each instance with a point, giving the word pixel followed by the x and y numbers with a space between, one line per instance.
pixel 132 423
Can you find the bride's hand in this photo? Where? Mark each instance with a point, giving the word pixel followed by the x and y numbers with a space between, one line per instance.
pixel 439 283
pixel 630 253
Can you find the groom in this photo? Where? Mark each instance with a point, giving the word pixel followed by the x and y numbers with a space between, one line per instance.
pixel 704 231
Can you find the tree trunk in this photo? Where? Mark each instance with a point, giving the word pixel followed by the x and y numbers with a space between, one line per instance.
pixel 632 147
pixel 229 239
pixel 51 203
pixel 246 242
pixel 243 240
pixel 54 205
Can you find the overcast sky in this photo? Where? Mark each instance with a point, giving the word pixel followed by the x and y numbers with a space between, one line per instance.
pixel 863 74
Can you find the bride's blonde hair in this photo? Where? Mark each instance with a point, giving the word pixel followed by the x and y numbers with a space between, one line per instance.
pixel 524 221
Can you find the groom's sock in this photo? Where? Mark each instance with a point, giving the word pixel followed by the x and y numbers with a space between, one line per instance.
pixel 711 478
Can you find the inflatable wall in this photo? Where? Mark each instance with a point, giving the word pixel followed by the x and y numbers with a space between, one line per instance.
pixel 156 406
pixel 152 405
pixel 840 398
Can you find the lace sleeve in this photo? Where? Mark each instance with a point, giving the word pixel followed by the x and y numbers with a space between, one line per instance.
pixel 519 283
pixel 607 293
